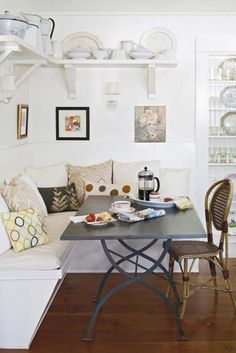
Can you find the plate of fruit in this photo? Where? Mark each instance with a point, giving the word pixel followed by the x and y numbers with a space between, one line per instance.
pixel 99 219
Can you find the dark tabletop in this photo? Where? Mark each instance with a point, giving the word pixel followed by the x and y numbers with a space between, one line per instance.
pixel 175 224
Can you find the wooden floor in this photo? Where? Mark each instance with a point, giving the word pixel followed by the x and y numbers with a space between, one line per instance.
pixel 134 321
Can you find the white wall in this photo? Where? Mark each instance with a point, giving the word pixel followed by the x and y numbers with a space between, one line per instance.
pixel 14 154
pixel 112 134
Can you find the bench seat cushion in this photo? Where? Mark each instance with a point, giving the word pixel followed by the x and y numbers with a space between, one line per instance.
pixel 45 257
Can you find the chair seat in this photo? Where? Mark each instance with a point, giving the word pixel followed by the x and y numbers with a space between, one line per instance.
pixel 191 249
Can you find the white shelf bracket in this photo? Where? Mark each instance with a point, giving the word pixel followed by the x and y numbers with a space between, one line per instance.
pixel 34 66
pixel 151 81
pixel 4 55
pixel 71 80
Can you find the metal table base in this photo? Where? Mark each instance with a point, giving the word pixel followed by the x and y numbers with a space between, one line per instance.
pixel 136 277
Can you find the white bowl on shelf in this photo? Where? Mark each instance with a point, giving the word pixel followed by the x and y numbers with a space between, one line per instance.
pixel 79 53
pixel 141 53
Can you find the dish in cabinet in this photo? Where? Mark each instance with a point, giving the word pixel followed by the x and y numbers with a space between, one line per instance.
pixel 228 69
pixel 80 40
pixel 228 121
pixel 228 96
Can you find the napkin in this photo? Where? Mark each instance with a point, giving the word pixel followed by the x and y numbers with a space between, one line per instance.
pixel 77 219
pixel 148 213
pixel 183 203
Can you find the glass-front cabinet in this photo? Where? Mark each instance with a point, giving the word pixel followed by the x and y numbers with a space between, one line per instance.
pixel 216 119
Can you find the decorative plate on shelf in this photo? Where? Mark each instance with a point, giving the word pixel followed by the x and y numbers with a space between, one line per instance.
pixel 228 121
pixel 228 68
pixel 228 96
pixel 160 41
pixel 81 40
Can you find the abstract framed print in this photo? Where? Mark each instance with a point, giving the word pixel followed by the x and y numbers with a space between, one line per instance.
pixel 72 123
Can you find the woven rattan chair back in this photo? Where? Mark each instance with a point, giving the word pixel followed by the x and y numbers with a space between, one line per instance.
pixel 218 200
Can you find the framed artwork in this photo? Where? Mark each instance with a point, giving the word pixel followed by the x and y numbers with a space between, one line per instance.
pixel 22 121
pixel 150 124
pixel 72 123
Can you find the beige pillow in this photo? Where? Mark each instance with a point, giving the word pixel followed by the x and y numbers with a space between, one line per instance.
pixel 174 182
pixel 51 175
pixel 124 172
pixel 19 196
pixel 97 173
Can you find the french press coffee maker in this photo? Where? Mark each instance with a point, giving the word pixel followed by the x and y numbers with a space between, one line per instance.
pixel 146 184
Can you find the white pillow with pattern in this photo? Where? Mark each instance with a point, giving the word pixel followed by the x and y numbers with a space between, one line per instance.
pixel 109 189
pixel 96 173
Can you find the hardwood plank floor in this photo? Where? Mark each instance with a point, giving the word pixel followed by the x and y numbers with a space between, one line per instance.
pixel 134 320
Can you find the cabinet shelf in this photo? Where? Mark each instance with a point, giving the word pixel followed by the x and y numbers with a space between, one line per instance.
pixel 222 136
pixel 221 164
pixel 223 82
pixel 21 53
pixel 230 110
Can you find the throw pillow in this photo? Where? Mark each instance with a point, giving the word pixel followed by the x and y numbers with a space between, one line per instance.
pixel 25 229
pixel 97 173
pixel 52 175
pixel 4 238
pixel 19 196
pixel 59 199
pixel 109 189
pixel 124 172
pixel 174 182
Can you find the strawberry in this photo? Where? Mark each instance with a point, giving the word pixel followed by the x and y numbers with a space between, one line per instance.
pixel 91 217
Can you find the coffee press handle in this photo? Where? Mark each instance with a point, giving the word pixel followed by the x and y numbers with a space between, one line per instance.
pixel 158 184
pixel 53 26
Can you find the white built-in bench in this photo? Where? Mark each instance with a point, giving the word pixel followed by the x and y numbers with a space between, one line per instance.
pixel 29 281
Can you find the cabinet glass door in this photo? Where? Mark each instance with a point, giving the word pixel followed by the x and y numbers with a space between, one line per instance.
pixel 222 122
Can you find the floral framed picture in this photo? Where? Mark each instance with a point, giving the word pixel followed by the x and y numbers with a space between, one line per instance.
pixel 150 124
pixel 72 123
pixel 22 121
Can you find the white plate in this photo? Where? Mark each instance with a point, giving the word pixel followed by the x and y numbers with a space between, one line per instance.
pixel 154 204
pixel 100 223
pixel 81 39
pixel 228 68
pixel 131 210
pixel 228 121
pixel 228 96
pixel 159 40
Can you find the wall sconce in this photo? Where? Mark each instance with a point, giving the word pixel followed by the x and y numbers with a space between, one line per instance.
pixel 7 88
pixel 112 93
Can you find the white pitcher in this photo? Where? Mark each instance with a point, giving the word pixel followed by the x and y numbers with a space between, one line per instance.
pixel 128 45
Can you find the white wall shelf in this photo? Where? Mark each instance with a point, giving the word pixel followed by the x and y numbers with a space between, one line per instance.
pixel 20 53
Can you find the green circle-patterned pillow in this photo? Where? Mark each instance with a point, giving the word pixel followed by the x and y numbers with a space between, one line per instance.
pixel 25 229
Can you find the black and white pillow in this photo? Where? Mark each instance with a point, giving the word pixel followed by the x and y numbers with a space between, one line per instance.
pixel 60 199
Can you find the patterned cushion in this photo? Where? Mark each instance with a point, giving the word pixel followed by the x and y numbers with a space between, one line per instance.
pixel 59 199
pixel 4 238
pixel 19 196
pixel 97 173
pixel 109 189
pixel 25 229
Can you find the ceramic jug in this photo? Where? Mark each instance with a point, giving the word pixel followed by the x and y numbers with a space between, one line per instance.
pixel 128 45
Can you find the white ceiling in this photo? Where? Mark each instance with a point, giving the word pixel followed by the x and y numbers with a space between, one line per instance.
pixel 119 5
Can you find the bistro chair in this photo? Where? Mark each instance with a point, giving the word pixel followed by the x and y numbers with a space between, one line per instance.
pixel 218 200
